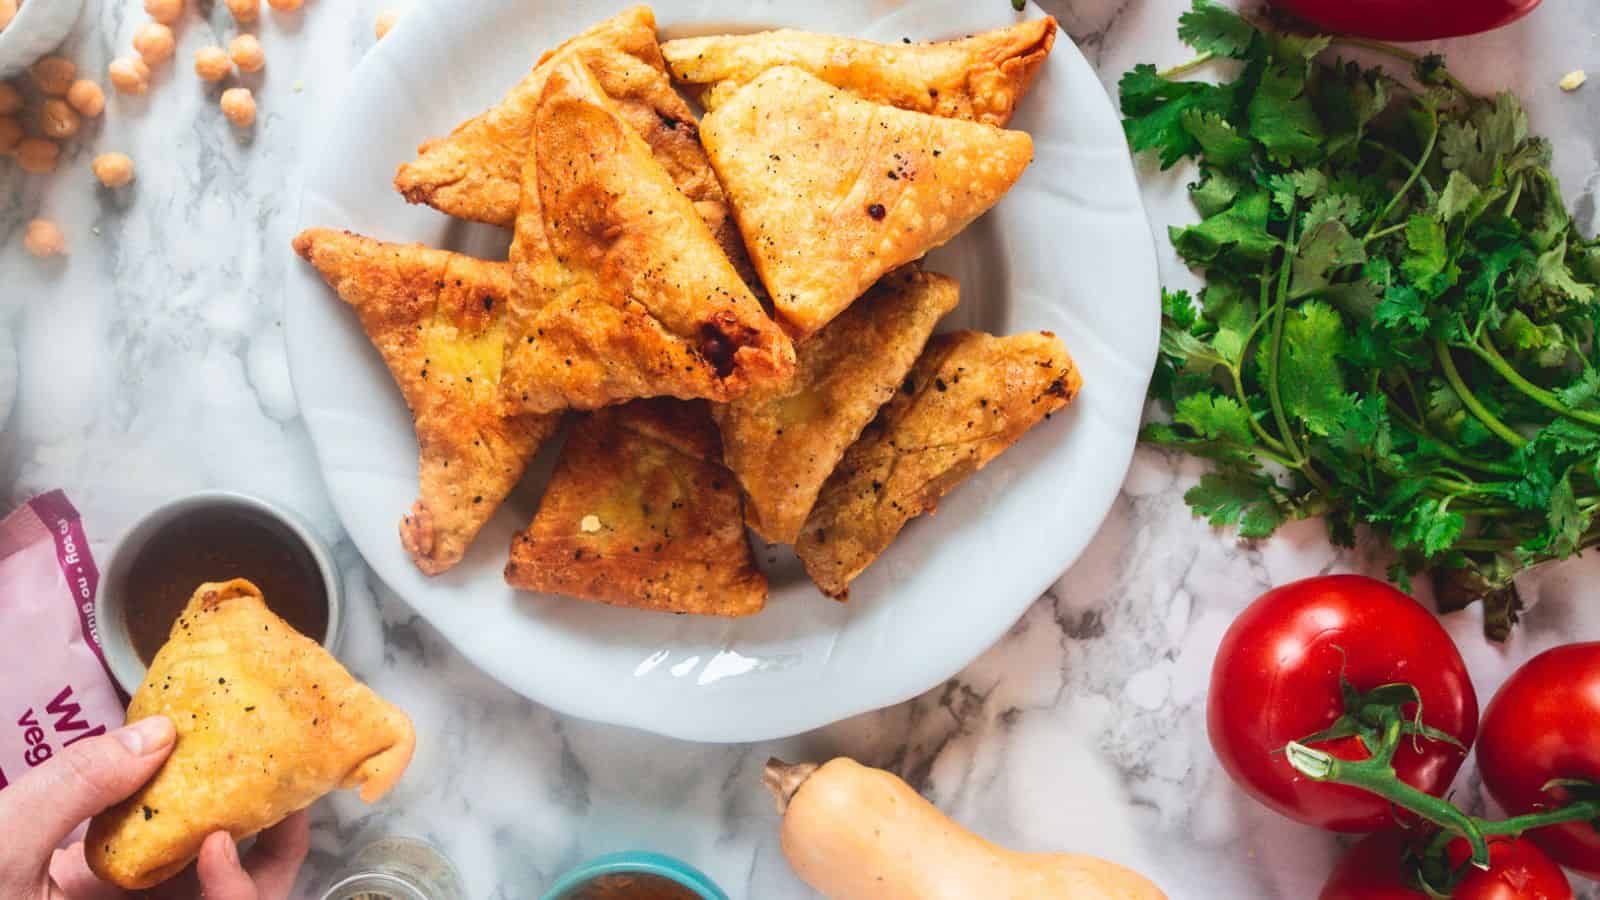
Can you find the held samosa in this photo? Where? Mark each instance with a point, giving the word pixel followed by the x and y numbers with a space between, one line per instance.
pixel 784 443
pixel 438 319
pixel 622 290
pixel 969 397
pixel 832 192
pixel 979 78
pixel 267 722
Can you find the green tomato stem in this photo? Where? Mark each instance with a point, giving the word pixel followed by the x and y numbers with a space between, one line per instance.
pixel 1378 778
pixel 1582 811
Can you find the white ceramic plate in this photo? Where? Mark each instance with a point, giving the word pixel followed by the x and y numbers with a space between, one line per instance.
pixel 1068 250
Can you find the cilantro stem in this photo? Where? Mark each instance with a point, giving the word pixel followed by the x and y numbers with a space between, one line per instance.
pixel 1384 233
pixel 1471 401
pixel 1485 350
pixel 1279 312
pixel 1186 68
pixel 1411 180
pixel 1400 53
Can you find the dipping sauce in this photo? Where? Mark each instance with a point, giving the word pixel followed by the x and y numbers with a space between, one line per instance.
pixel 217 543
pixel 632 887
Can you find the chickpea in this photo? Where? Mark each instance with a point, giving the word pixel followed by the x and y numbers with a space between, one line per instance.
pixel 8 11
pixel 386 20
pixel 246 53
pixel 129 75
pixel 113 169
pixel 239 105
pixel 10 99
pixel 167 12
pixel 44 238
pixel 245 11
pixel 155 43
pixel 58 120
pixel 10 135
pixel 54 75
pixel 286 5
pixel 38 156
pixel 86 97
pixel 212 64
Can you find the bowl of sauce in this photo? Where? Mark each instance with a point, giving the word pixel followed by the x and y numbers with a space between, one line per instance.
pixel 211 536
pixel 634 876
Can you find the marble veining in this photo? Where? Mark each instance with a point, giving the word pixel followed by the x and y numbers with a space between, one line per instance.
pixel 152 362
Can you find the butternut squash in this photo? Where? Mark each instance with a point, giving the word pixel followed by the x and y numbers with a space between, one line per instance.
pixel 858 833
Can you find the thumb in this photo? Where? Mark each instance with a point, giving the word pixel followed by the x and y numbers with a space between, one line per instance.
pixel 83 779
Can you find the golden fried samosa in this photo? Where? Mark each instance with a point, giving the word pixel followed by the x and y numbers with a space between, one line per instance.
pixel 622 291
pixel 267 722
pixel 969 397
pixel 640 512
pixel 783 443
pixel 979 78
pixel 438 319
pixel 476 172
pixel 831 192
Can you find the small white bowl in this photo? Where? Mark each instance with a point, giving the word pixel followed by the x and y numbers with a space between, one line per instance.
pixel 40 26
pixel 111 613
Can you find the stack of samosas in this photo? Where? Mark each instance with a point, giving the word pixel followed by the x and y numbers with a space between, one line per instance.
pixel 734 307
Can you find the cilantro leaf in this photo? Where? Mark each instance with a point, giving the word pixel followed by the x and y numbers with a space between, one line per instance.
pixel 1210 27
pixel 1326 248
pixel 1309 378
pixel 1179 307
pixel 1215 417
pixel 1283 120
pixel 1232 498
pixel 1219 141
pixel 1154 107
pixel 1242 228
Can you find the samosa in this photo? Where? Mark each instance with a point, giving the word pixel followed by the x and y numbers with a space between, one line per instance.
pixel 969 397
pixel 641 512
pixel 979 78
pixel 267 722
pixel 438 319
pixel 622 291
pixel 784 443
pixel 832 192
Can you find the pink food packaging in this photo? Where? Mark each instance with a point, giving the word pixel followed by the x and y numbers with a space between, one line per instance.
pixel 55 688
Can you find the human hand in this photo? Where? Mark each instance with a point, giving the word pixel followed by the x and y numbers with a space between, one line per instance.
pixel 40 809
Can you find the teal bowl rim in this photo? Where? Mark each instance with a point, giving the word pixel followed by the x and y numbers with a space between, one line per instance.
pixel 636 863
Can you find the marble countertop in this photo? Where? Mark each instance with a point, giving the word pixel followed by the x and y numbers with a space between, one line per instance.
pixel 152 362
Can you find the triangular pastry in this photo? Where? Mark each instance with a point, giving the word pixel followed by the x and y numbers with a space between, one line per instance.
pixel 640 512
pixel 267 723
pixel 476 172
pixel 622 291
pixel 831 192
pixel 969 397
pixel 438 319
pixel 783 443
pixel 979 78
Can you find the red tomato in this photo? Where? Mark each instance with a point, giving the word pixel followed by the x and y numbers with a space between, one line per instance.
pixel 1542 725
pixel 1276 680
pixel 1373 870
pixel 1408 20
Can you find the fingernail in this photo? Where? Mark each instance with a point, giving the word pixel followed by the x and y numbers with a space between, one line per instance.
pixel 146 735
pixel 230 849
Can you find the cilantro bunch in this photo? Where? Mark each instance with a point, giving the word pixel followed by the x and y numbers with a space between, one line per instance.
pixel 1398 326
